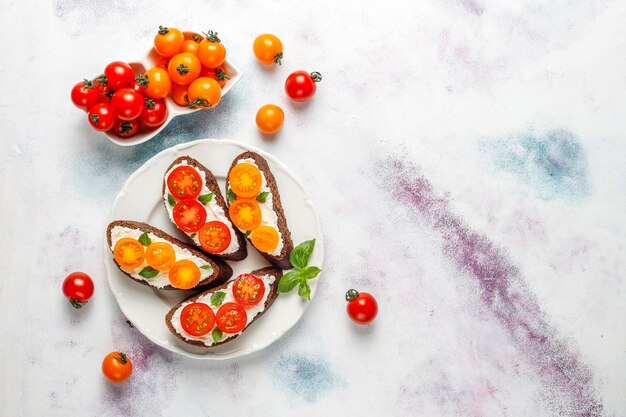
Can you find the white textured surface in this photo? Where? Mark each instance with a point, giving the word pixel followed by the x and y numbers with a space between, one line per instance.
pixel 504 121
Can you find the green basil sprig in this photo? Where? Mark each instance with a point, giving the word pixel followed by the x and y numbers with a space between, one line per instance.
pixel 261 198
pixel 171 200
pixel 144 239
pixel 205 198
pixel 301 274
pixel 149 272
pixel 217 298
pixel 216 334
pixel 231 195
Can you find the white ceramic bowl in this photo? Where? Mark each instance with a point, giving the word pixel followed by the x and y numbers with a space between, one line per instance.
pixel 173 109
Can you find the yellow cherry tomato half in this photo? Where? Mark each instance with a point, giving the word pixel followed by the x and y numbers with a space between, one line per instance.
pixel 204 92
pixel 211 51
pixel 269 118
pixel 184 274
pixel 265 238
pixel 160 255
pixel 245 213
pixel 168 41
pixel 159 83
pixel 183 68
pixel 128 253
pixel 268 49
pixel 245 180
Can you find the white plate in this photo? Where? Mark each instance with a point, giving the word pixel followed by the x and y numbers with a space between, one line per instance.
pixel 140 200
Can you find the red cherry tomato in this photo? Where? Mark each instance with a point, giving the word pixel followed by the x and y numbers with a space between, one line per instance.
pixel 197 319
pixel 184 182
pixel 78 288
pixel 104 92
pixel 362 307
pixel 84 94
pixel 154 112
pixel 248 289
pixel 189 215
pixel 119 75
pixel 127 103
pixel 214 237
pixel 300 85
pixel 126 128
pixel 231 318
pixel 101 116
pixel 139 84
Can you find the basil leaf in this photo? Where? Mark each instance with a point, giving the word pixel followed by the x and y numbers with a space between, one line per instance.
pixel 289 281
pixel 144 239
pixel 171 200
pixel 230 195
pixel 248 233
pixel 149 272
pixel 206 267
pixel 263 196
pixel 217 334
pixel 310 272
pixel 205 198
pixel 217 298
pixel 193 235
pixel 300 255
pixel 304 290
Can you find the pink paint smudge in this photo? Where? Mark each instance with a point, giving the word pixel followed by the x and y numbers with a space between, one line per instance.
pixel 473 7
pixel 567 382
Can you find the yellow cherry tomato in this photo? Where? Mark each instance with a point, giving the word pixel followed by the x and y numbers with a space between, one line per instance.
pixel 160 255
pixel 211 51
pixel 168 41
pixel 191 46
pixel 269 118
pixel 128 253
pixel 268 49
pixel 159 83
pixel 179 94
pixel 265 238
pixel 245 213
pixel 183 68
pixel 184 274
pixel 204 92
pixel 245 180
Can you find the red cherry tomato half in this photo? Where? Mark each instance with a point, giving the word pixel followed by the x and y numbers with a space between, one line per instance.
pixel 197 319
pixel 119 74
pixel 214 237
pixel 127 103
pixel 189 215
pixel 231 318
pixel 154 112
pixel 78 288
pixel 300 85
pixel 101 116
pixel 126 128
pixel 184 182
pixel 84 94
pixel 248 289
pixel 362 307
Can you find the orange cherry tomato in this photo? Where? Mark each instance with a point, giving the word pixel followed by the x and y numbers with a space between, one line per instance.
pixel 161 61
pixel 193 36
pixel 231 318
pixel 184 274
pixel 191 46
pixel 117 367
pixel 245 180
pixel 204 92
pixel 129 253
pixel 268 49
pixel 197 319
pixel 159 83
pixel 179 94
pixel 248 289
pixel 269 118
pixel 245 213
pixel 265 238
pixel 168 41
pixel 184 68
pixel 211 51
pixel 218 74
pixel 160 255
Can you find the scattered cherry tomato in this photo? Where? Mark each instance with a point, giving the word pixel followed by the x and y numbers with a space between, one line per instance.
pixel 269 118
pixel 184 68
pixel 268 49
pixel 78 287
pixel 154 112
pixel 101 116
pixel 168 41
pixel 362 307
pixel 84 94
pixel 211 51
pixel 117 367
pixel 204 92
pixel 119 75
pixel 127 103
pixel 300 85
pixel 159 83
pixel 179 94
pixel 126 128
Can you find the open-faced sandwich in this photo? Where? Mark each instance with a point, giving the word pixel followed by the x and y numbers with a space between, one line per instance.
pixel 221 314
pixel 152 257
pixel 256 210
pixel 196 206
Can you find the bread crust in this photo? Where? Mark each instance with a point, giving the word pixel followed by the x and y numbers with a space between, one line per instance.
pixel 282 260
pixel 212 184
pixel 273 294
pixel 221 270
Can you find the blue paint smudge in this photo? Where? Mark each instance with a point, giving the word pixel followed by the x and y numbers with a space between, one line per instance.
pixel 554 163
pixel 305 376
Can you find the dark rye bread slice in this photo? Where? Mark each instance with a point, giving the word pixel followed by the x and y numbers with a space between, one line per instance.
pixel 273 294
pixel 212 184
pixel 282 260
pixel 221 270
